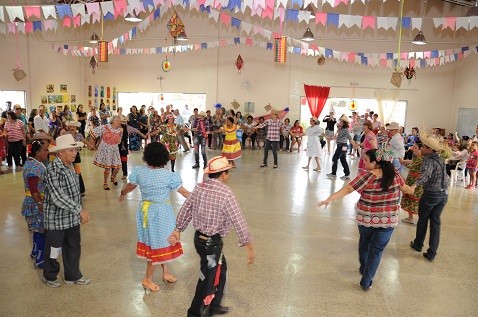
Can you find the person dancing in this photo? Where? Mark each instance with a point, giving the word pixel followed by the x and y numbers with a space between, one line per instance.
pixel 155 219
pixel 232 146
pixel 169 131
pixel 108 156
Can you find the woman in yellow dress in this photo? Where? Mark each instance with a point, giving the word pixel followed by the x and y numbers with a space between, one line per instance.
pixel 232 147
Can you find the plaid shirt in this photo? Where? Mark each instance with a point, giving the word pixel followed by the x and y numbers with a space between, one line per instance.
pixel 343 135
pixel 377 208
pixel 196 124
pixel 273 129
pixel 213 207
pixel 62 197
pixel 432 173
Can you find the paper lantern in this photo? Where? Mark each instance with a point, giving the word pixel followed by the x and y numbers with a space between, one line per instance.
pixel 103 51
pixel 280 49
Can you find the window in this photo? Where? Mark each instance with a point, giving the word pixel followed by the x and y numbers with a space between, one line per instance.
pixel 15 97
pixel 161 100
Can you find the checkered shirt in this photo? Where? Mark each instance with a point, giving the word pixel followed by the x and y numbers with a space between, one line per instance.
pixel 273 129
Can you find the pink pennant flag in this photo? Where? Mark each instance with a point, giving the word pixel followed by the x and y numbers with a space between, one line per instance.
pixel 120 7
pixel 28 27
pixel 460 56
pixel 337 2
pixel 126 36
pixel 222 42
pixel 314 47
pixel 450 22
pixel 427 54
pixel 77 21
pixel 11 27
pixel 404 55
pixel 351 57
pixel 320 17
pixel 412 63
pixel 67 22
pixel 93 11
pixel 383 63
pixel 257 11
pixel 32 11
pixel 201 2
pixel 270 3
pixel 225 19
pixel 368 21
pixel 268 12
pixel 248 42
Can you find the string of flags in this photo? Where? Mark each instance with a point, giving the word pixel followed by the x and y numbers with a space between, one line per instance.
pixel 75 15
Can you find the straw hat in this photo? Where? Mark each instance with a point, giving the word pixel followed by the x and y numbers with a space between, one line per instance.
pixel 41 136
pixel 217 164
pixel 64 142
pixel 314 118
pixel 344 118
pixel 393 126
pixel 72 123
pixel 431 142
pixel 202 114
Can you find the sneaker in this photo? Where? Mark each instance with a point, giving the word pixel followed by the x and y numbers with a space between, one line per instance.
pixel 331 175
pixel 81 281
pixel 428 257
pixel 53 284
pixel 414 247
pixel 39 265
pixel 345 177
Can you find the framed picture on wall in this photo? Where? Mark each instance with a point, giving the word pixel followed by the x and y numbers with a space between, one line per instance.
pixel 249 107
pixel 52 108
pixel 50 88
pixel 73 107
pixel 63 88
pixel 44 99
pixel 66 99
pixel 73 98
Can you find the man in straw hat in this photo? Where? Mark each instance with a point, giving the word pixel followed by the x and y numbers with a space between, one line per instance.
pixel 396 144
pixel 274 128
pixel 201 129
pixel 342 137
pixel 214 209
pixel 434 180
pixel 63 213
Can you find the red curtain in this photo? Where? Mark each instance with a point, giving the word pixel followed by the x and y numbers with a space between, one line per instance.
pixel 316 97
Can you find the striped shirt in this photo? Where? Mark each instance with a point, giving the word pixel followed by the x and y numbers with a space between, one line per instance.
pixel 343 135
pixel 62 197
pixel 213 208
pixel 432 173
pixel 16 130
pixel 377 208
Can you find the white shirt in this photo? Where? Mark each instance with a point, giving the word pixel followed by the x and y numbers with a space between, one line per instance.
pixel 396 145
pixel 41 123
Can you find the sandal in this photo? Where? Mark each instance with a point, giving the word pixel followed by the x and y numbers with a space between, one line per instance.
pixel 106 187
pixel 114 182
pixel 406 220
pixel 147 285
pixel 169 279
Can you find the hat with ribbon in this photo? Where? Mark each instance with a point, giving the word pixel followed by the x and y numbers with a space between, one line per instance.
pixel 217 164
pixel 72 123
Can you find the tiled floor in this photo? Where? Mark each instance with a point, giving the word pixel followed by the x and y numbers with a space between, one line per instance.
pixel 306 258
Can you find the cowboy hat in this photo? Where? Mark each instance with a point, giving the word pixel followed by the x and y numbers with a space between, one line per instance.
pixel 64 142
pixel 393 126
pixel 344 118
pixel 202 114
pixel 41 136
pixel 217 164
pixel 72 123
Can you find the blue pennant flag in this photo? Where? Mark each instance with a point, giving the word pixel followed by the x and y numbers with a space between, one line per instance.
pixel 364 60
pixel 269 46
pixel 37 25
pixel 292 15
pixel 109 16
pixel 406 22
pixel 298 2
pixel 297 50
pixel 133 32
pixel 236 22
pixel 64 10
pixel 465 48
pixel 233 4
pixel 333 19
pixel 203 8
pixel 390 56
pixel 122 51
pixel 146 3
pixel 434 54
pixel 186 3
pixel 329 52
pixel 158 50
pixel 423 63
pixel 203 45
pixel 237 40
pixel 157 14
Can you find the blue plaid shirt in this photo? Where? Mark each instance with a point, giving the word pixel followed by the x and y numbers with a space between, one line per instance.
pixel 62 197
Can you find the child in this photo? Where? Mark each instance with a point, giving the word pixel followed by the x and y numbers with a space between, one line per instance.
pixel 472 165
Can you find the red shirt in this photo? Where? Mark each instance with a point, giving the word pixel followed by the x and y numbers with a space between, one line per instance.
pixel 377 208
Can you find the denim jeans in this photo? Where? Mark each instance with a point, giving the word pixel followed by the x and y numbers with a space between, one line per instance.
pixel 371 245
pixel 430 208
pixel 340 153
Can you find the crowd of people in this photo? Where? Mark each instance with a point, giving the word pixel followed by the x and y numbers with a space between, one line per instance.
pixel 54 187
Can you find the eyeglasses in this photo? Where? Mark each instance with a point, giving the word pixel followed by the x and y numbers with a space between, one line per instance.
pixel 38 142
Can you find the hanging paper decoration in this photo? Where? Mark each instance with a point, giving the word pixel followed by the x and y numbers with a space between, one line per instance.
pixel 161 97
pixel 280 49
pixel 89 87
pixel 166 65
pixel 175 25
pixel 409 73
pixel 321 60
pixel 103 51
pixel 94 66
pixel 239 63
pixel 108 92
pixel 396 79
pixel 114 94
pixel 235 104
pixel 353 105
pixel 96 91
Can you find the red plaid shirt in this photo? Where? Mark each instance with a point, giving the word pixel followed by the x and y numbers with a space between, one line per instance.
pixel 213 207
pixel 377 208
pixel 273 129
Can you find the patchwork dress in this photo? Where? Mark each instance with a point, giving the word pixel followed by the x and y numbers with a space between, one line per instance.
pixel 169 140
pixel 410 202
pixel 108 155
pixel 155 219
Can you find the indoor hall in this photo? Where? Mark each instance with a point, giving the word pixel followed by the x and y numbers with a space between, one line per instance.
pixel 306 257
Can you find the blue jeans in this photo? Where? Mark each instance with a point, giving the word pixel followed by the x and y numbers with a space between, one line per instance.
pixel 371 245
pixel 398 166
pixel 430 208
pixel 340 154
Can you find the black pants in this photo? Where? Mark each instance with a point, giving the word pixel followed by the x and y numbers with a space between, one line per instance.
pixel 210 252
pixel 69 240
pixel 252 137
pixel 14 151
pixel 23 154
pixel 270 144
pixel 340 154
pixel 287 142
